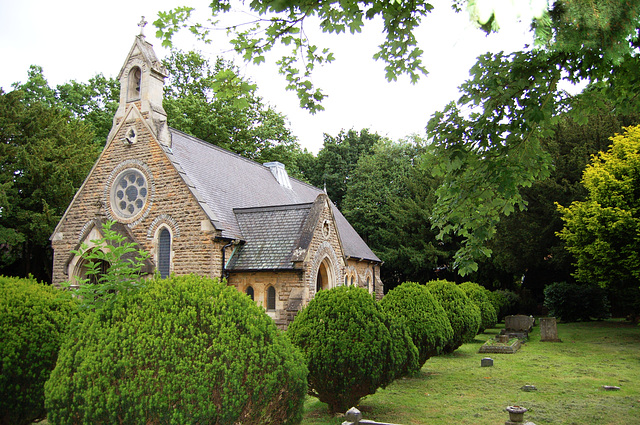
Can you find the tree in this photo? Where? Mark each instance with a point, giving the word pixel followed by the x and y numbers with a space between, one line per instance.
pixel 603 232
pixel 45 154
pixel 464 315
pixel 215 104
pixel 389 201
pixel 489 154
pixel 336 161
pixel 94 102
pixel 426 320
pixel 183 350
pixel 526 244
pixel 351 345
pixel 33 323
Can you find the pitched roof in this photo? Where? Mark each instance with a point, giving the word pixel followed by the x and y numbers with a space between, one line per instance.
pixel 223 181
pixel 271 234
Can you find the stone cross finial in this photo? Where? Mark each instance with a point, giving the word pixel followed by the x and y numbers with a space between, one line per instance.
pixel 142 24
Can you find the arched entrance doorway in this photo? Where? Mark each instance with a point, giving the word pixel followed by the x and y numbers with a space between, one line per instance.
pixel 324 276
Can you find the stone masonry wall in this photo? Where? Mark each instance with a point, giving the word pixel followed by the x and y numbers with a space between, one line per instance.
pixel 169 203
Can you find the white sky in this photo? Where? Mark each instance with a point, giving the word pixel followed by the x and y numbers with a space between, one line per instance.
pixel 77 39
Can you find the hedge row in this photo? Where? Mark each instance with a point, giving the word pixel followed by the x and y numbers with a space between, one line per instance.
pixel 191 350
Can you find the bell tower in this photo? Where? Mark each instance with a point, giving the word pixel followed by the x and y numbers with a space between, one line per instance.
pixel 141 86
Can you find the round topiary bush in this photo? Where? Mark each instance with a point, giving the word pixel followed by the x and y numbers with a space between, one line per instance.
pixel 480 296
pixel 352 347
pixel 183 350
pixel 33 321
pixel 463 314
pixel 423 315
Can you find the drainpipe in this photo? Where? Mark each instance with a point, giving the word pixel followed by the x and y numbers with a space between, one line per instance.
pixel 224 274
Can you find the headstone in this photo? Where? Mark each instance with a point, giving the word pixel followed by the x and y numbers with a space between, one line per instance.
pixel 519 323
pixel 486 362
pixel 549 330
pixel 502 339
pixel 528 388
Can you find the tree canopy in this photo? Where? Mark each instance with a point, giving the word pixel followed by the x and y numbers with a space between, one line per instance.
pixel 602 232
pixel 490 139
pixel 45 154
pixel 214 103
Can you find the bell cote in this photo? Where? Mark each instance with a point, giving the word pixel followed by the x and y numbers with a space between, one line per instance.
pixel 141 86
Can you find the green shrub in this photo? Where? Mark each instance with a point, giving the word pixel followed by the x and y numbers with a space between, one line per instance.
pixel 426 320
pixel 183 350
pixel 571 302
pixel 33 320
pixel 480 296
pixel 351 345
pixel 505 302
pixel 463 314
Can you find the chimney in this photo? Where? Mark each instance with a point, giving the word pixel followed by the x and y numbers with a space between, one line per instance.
pixel 279 172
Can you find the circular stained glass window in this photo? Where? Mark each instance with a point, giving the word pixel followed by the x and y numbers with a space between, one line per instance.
pixel 129 193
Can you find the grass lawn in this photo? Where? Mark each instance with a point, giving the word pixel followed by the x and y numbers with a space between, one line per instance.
pixel 569 377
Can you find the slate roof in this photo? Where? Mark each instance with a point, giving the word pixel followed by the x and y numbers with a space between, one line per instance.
pixel 223 182
pixel 272 234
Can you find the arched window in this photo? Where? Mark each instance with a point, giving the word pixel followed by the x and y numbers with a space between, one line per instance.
pixel 135 82
pixel 249 291
pixel 353 281
pixel 271 298
pixel 346 280
pixel 164 253
pixel 369 285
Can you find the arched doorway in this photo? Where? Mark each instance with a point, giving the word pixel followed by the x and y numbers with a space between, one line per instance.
pixel 323 278
pixel 83 270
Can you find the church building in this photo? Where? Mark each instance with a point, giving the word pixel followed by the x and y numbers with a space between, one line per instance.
pixel 197 208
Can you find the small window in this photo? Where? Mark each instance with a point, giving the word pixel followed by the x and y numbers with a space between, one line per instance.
pixel 271 298
pixel 164 253
pixel 346 280
pixel 369 285
pixel 249 291
pixel 135 81
pixel 353 281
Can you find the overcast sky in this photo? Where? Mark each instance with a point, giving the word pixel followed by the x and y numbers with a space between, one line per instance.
pixel 77 39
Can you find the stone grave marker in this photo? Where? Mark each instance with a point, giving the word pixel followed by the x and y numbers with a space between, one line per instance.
pixel 549 330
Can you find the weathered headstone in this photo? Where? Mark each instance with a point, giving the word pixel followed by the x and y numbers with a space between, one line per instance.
pixel 486 362
pixel 502 339
pixel 549 330
pixel 519 323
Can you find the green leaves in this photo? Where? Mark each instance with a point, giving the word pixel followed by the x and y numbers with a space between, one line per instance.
pixel 114 268
pixel 603 231
pixel 281 22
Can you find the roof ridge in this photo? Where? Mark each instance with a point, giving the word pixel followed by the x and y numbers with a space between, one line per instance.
pixel 273 208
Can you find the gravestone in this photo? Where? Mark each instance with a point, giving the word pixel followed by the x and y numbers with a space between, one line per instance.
pixel 519 323
pixel 486 362
pixel 518 326
pixel 549 330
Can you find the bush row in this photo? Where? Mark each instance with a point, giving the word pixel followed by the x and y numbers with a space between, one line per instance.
pixel 191 350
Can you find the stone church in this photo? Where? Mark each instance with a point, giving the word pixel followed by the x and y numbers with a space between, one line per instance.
pixel 197 208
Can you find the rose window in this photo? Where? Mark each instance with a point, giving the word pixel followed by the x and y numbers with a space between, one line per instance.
pixel 129 193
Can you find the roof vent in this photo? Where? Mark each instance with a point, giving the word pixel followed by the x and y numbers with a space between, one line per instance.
pixel 279 172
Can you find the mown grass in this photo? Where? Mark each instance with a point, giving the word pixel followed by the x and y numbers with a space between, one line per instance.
pixel 569 377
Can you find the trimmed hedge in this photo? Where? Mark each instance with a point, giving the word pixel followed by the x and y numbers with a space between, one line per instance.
pixel 33 321
pixel 184 350
pixel 572 302
pixel 426 320
pixel 351 345
pixel 480 296
pixel 463 314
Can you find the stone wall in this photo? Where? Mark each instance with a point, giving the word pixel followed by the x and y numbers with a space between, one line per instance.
pixel 169 203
